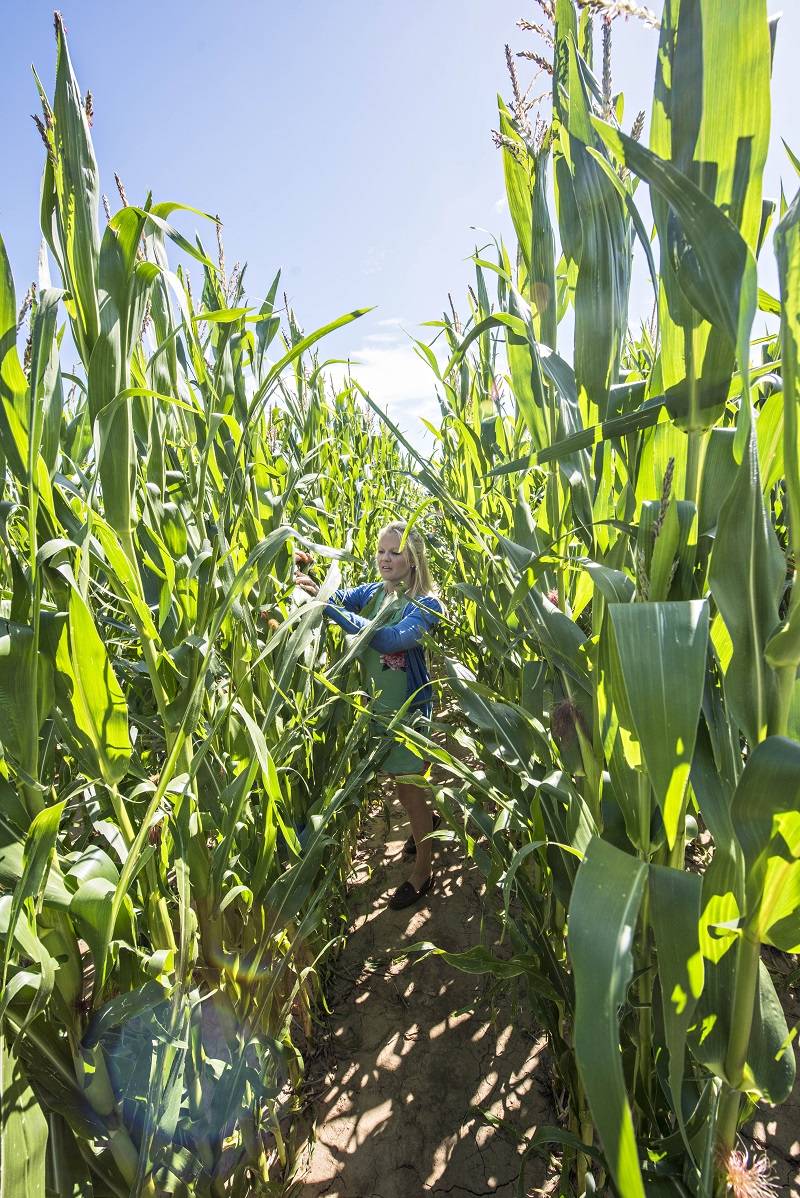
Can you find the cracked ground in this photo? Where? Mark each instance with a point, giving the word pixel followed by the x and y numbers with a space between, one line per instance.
pixel 427 1086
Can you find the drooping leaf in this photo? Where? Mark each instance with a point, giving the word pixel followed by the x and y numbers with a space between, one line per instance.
pixel 675 897
pixel 89 694
pixel 36 858
pixel 746 577
pixel 602 918
pixel 718 276
pixel 711 121
pixel 67 1172
pixel 19 731
pixel 665 698
pixel 23 1130
pixel 765 811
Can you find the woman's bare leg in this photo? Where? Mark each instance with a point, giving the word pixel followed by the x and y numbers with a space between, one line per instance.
pixel 414 803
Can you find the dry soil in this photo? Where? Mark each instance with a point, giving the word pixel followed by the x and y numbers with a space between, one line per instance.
pixel 428 1087
pixel 425 1085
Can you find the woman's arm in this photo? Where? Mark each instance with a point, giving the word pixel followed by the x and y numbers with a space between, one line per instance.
pixel 406 634
pixel 352 600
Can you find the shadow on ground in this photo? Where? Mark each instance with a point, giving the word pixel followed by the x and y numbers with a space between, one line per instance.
pixel 415 1047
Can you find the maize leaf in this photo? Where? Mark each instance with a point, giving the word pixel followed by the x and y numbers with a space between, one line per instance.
pixel 766 818
pixel 13 384
pixel 89 695
pixel 77 192
pixel 675 898
pixel 716 271
pixel 787 251
pixel 746 576
pixel 526 187
pixel 711 121
pixel 602 918
pixel 665 698
pixel 67 1172
pixel 603 282
pixel 23 1130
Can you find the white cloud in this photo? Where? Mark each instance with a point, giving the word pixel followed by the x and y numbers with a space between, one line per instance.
pixel 381 338
pixel 375 259
pixel 501 204
pixel 398 381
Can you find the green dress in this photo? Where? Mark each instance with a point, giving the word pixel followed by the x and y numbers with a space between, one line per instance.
pixel 387 685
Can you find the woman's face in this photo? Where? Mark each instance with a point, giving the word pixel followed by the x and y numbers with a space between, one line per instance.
pixel 393 566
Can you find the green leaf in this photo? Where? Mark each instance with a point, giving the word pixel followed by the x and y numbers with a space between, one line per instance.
pixel 37 855
pixel 526 369
pixel 615 428
pixel 675 899
pixel 77 189
pixel 88 694
pixel 603 282
pixel 787 252
pixel 23 1130
pixel 504 730
pixel 526 188
pixel 92 907
pixel 305 343
pixel 710 120
pixel 122 1008
pixel 613 585
pixel 478 960
pixel 746 577
pixel 770 428
pixel 19 730
pixel 718 277
pixel 570 828
pixel 665 698
pixel 67 1174
pixel 766 818
pixel 13 384
pixel 45 386
pixel 56 894
pixel 719 475
pixel 602 918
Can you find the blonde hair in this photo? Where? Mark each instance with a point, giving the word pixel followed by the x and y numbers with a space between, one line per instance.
pixel 420 582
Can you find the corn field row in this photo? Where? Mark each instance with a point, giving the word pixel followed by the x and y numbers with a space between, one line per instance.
pixel 615 526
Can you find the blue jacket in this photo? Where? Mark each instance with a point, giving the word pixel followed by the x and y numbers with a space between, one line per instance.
pixel 405 636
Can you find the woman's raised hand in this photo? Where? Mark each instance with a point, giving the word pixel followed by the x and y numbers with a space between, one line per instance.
pixel 305 581
pixel 306 584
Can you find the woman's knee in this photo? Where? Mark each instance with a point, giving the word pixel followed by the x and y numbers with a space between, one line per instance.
pixel 410 796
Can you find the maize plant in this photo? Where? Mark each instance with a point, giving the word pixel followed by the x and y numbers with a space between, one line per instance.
pixel 183 759
pixel 625 531
pixel 615 526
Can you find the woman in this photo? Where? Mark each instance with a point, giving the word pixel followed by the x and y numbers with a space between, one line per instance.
pixel 396 670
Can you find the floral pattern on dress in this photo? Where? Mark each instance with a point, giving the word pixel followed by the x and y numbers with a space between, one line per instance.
pixel 393 661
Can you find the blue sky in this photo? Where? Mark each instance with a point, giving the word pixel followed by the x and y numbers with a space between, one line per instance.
pixel 348 144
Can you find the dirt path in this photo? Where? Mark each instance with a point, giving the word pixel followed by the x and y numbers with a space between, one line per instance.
pixel 415 1045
